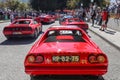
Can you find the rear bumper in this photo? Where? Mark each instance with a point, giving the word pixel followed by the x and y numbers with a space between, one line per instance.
pixel 69 70
pixel 22 34
pixel 19 35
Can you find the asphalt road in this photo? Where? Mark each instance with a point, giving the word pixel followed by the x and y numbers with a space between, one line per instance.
pixel 13 52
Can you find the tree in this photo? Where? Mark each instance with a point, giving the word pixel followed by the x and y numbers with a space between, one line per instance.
pixel 48 5
pixel 23 6
pixel 71 4
pixel 2 5
pixel 12 4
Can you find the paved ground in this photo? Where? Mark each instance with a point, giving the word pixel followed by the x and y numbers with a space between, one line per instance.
pixel 110 35
pixel 114 24
pixel 14 51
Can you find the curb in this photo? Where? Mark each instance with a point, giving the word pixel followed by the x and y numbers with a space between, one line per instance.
pixel 2 21
pixel 117 47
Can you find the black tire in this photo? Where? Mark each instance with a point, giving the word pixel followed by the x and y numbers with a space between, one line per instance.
pixel 8 37
pixel 38 77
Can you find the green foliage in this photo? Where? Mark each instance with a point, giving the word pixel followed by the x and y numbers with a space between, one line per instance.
pixel 12 4
pixel 2 5
pixel 71 4
pixel 16 5
pixel 23 6
pixel 48 5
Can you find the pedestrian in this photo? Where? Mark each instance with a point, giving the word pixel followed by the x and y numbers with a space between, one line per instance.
pixel 104 19
pixel 93 15
pixel 11 17
pixel 107 18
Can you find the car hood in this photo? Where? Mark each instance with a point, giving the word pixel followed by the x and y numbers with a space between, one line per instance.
pixel 64 47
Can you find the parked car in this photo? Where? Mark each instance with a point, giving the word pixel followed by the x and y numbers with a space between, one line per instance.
pixel 65 50
pixel 23 28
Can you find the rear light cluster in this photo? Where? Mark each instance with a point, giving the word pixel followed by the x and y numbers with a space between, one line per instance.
pixel 96 58
pixel 18 29
pixel 35 59
pixel 46 19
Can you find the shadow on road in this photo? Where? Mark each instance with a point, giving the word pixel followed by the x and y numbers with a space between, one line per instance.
pixel 110 32
pixel 96 27
pixel 71 77
pixel 18 41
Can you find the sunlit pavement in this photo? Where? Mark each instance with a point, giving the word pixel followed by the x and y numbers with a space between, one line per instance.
pixel 110 35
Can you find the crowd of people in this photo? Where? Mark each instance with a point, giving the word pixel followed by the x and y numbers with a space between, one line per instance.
pixel 93 14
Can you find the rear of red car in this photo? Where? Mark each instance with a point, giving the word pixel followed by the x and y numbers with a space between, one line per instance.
pixel 81 25
pixel 47 19
pixel 65 51
pixel 65 62
pixel 18 31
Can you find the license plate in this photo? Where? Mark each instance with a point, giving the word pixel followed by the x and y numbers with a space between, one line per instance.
pixel 17 33
pixel 65 58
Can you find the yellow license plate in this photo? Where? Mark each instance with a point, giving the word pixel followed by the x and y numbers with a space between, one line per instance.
pixel 65 58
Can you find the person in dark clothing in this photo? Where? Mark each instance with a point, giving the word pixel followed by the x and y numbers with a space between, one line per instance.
pixel 93 17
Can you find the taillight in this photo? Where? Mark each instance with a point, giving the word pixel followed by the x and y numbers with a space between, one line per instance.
pixel 31 59
pixel 39 59
pixel 101 58
pixel 35 59
pixel 96 58
pixel 46 19
pixel 92 59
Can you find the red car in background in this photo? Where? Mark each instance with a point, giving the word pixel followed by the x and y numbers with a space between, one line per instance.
pixel 47 18
pixel 23 28
pixel 65 50
pixel 76 21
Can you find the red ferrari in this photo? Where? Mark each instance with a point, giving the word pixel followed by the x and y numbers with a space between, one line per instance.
pixel 76 21
pixel 23 28
pixel 47 18
pixel 65 50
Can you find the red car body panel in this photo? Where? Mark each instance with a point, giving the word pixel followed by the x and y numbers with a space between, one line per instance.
pixel 75 21
pixel 21 29
pixel 55 53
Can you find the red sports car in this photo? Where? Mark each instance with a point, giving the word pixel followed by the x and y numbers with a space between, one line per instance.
pixel 47 18
pixel 22 27
pixel 65 50
pixel 76 21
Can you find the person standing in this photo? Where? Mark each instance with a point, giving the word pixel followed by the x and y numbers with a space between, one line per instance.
pixel 93 17
pixel 104 19
pixel 11 17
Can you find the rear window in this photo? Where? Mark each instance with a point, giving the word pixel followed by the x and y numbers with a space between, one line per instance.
pixel 64 36
pixel 22 22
